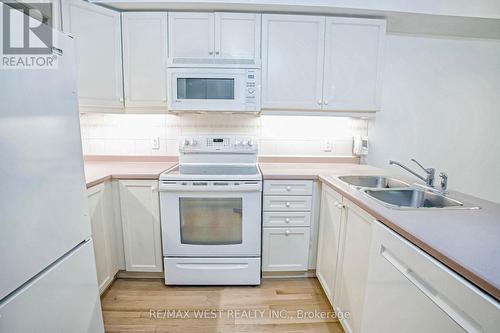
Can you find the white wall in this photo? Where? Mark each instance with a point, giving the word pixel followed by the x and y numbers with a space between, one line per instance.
pixel 441 105
pixel 278 135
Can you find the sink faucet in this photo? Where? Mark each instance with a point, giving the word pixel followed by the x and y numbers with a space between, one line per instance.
pixel 429 180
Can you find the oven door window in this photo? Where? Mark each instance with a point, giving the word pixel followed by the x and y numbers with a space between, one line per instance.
pixel 205 88
pixel 211 221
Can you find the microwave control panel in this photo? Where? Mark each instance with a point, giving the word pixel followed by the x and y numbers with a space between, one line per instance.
pixel 252 95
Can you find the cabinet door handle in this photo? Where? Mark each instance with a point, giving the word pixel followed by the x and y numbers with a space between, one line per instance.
pixel 217 52
pixel 288 188
pixel 287 220
pixel 325 102
pixel 457 315
pixel 287 232
pixel 320 102
pixel 287 204
pixel 210 52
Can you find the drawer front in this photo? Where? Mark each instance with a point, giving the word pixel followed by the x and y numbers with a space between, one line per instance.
pixel 285 249
pixel 286 203
pixel 287 219
pixel 469 307
pixel 288 187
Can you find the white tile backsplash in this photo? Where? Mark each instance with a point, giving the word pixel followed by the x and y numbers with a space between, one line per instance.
pixel 112 134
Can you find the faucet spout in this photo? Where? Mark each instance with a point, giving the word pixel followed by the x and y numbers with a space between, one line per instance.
pixel 429 180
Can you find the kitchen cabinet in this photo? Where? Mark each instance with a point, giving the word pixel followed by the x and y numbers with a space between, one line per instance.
pixel 145 59
pixel 140 212
pixel 103 234
pixel 353 62
pixel 352 271
pixel 285 249
pixel 408 291
pixel 292 61
pixel 328 240
pixel 328 63
pixel 212 39
pixel 287 225
pixel 97 34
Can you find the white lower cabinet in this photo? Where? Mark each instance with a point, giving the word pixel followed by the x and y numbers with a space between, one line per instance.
pixel 352 265
pixel 380 283
pixel 328 240
pixel 287 225
pixel 140 211
pixel 103 234
pixel 285 249
pixel 408 291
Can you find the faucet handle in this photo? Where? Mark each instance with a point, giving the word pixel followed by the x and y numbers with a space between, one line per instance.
pixel 444 181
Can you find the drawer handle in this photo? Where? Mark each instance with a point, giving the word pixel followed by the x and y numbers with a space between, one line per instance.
pixel 338 205
pixel 287 220
pixel 287 204
pixel 457 315
pixel 287 232
pixel 288 188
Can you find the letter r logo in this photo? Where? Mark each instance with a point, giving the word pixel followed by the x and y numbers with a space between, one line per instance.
pixel 27 28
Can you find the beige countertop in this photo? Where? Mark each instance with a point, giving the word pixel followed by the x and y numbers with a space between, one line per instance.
pixel 310 170
pixel 98 171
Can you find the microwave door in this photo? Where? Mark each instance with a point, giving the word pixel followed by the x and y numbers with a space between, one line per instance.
pixel 210 92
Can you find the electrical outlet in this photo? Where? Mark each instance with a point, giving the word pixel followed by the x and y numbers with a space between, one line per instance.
pixel 328 145
pixel 155 143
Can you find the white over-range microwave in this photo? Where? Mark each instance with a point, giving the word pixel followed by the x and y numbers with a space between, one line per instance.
pixel 213 89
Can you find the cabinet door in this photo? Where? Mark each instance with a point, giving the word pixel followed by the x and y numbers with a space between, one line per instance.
pixel 144 59
pixel 139 200
pixel 353 61
pixel 352 268
pixel 190 37
pixel 97 35
pixel 100 235
pixel 237 37
pixel 328 241
pixel 292 61
pixel 285 249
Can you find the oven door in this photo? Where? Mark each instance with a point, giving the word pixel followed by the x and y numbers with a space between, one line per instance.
pixel 206 89
pixel 214 223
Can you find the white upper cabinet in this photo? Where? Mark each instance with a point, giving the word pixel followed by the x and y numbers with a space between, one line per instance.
pixel 97 35
pixel 144 59
pixel 292 61
pixel 237 37
pixel 353 52
pixel 190 37
pixel 318 63
pixel 210 39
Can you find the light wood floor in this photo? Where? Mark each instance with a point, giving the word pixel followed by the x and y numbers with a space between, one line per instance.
pixel 130 305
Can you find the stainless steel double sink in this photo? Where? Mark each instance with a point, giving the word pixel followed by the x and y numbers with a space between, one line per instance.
pixel 397 194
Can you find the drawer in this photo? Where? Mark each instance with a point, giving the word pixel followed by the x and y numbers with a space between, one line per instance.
pixel 287 219
pixel 285 249
pixel 465 304
pixel 286 203
pixel 288 187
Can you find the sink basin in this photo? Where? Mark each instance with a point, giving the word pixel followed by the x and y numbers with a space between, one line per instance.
pixel 412 198
pixel 373 181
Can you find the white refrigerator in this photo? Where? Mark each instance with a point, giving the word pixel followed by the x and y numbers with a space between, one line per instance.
pixel 47 268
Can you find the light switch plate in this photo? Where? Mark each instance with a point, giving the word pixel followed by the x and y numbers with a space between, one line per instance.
pixel 155 143
pixel 328 145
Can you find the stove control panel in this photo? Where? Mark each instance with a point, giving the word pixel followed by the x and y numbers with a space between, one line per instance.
pixel 218 144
